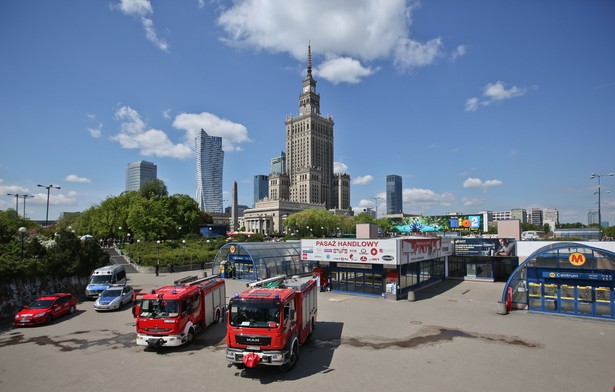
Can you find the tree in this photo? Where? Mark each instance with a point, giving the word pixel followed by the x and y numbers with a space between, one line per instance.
pixel 154 189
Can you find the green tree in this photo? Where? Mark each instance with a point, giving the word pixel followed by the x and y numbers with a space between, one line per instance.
pixel 154 189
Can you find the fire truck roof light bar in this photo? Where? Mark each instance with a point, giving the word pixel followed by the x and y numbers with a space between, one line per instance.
pixel 265 281
pixel 203 280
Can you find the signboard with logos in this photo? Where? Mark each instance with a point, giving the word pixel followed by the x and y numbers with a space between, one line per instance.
pixel 418 249
pixel 362 251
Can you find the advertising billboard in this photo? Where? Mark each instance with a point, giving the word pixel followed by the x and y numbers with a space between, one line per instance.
pixel 438 223
pixel 502 247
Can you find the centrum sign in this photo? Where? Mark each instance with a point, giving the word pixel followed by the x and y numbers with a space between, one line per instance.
pixel 350 251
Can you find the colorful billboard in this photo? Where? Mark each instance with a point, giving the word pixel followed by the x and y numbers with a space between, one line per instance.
pixel 502 247
pixel 439 223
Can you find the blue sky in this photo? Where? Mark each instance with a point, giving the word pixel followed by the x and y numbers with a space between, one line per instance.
pixel 478 105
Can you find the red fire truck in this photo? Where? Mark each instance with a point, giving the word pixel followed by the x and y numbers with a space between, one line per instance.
pixel 270 320
pixel 172 315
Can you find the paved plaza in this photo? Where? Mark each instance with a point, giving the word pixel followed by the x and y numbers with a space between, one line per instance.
pixel 450 339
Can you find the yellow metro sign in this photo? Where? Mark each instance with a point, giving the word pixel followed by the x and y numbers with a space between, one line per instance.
pixel 577 259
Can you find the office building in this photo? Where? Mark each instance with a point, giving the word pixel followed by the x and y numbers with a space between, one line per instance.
pixel 394 195
pixel 138 173
pixel 278 164
pixel 592 218
pixel 261 187
pixel 209 168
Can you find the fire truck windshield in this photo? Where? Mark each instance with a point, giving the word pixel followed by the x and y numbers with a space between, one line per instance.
pixel 159 308
pixel 254 313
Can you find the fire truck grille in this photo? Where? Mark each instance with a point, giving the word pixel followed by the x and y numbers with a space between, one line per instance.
pixel 253 340
pixel 157 330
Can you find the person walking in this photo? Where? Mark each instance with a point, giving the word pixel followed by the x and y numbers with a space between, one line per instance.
pixel 157 268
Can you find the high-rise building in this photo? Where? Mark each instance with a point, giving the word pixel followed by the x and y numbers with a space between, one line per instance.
pixel 535 217
pixel 592 218
pixel 261 187
pixel 138 173
pixel 307 181
pixel 394 195
pixel 209 167
pixel 309 148
pixel 519 213
pixel 278 164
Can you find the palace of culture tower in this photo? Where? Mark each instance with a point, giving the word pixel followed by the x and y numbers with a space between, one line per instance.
pixel 306 179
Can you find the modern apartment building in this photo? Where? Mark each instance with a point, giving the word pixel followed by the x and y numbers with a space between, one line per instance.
pixel 394 194
pixel 138 173
pixel 209 168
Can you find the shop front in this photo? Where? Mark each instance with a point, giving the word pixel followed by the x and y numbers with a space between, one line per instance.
pixel 383 267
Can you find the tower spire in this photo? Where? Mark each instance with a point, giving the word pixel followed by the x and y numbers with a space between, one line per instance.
pixel 309 60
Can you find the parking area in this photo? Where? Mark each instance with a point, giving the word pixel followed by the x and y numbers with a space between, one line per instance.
pixel 450 338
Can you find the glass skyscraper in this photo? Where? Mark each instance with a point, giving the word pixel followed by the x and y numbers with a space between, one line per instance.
pixel 209 167
pixel 138 173
pixel 394 195
pixel 261 187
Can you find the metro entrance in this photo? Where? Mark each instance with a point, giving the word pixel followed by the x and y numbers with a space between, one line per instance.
pixel 569 293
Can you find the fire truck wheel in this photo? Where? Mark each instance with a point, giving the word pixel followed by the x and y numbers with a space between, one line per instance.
pixel 217 318
pixel 190 336
pixel 292 361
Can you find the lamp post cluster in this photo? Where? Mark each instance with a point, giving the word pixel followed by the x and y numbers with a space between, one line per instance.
pixel 594 175
pixel 17 196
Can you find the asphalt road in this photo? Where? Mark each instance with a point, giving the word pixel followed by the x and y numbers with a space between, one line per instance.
pixel 450 339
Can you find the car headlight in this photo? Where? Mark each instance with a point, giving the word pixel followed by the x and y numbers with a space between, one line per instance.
pixel 40 315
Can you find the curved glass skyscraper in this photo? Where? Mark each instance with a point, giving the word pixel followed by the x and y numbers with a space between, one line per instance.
pixel 209 165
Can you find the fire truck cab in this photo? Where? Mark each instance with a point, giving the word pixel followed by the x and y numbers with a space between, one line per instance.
pixel 269 321
pixel 172 315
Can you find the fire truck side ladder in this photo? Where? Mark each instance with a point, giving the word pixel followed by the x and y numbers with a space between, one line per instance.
pixel 260 283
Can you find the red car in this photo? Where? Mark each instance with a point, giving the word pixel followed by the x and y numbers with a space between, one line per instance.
pixel 46 308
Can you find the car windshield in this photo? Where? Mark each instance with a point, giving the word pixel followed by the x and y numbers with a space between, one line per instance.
pixel 41 304
pixel 254 313
pixel 111 293
pixel 101 279
pixel 159 308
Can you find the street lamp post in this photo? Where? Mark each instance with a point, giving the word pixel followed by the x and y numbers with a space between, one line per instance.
pixel 16 201
pixel 138 242
pixel 158 247
pixel 24 204
pixel 48 187
pixel 594 175
pixel 22 231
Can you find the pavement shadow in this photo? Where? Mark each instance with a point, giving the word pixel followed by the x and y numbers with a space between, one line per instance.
pixel 437 289
pixel 315 357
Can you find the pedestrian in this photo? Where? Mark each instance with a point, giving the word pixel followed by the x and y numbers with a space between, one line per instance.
pixel 157 268
pixel 202 265
pixel 171 267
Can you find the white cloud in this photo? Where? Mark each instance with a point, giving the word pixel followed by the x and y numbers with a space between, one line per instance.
pixel 95 132
pixel 166 114
pixel 458 52
pixel 357 32
pixel 150 142
pixel 153 142
pixel 468 202
pixel 418 200
pixel 343 69
pixel 232 134
pixel 58 199
pixel 4 189
pixel 339 168
pixel 362 180
pixel 478 183
pixel 494 92
pixel 141 9
pixel 76 178
pixel 411 54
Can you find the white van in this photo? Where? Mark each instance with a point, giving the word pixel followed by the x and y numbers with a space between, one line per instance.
pixel 103 277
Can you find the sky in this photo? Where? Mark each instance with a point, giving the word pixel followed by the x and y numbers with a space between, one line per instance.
pixel 477 105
